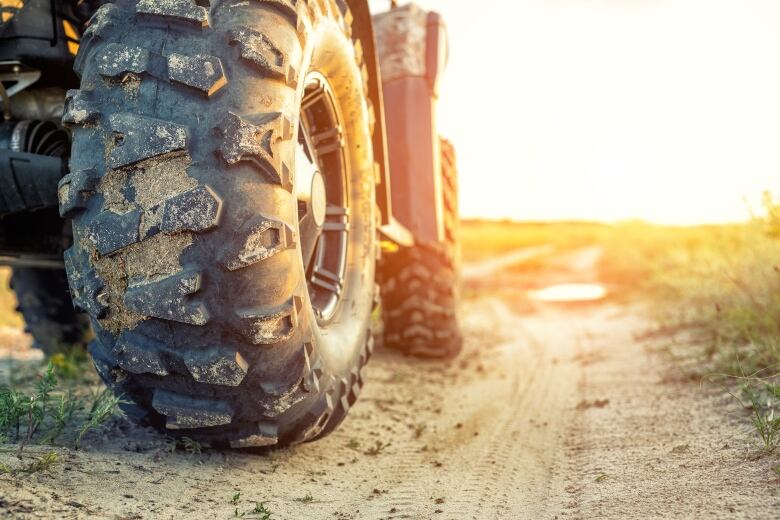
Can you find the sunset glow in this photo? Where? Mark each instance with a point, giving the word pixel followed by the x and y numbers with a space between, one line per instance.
pixel 661 110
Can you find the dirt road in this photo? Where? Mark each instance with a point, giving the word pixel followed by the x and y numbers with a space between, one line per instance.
pixel 558 412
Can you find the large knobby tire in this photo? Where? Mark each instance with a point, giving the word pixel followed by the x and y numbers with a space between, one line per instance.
pixel 183 190
pixel 420 284
pixel 44 301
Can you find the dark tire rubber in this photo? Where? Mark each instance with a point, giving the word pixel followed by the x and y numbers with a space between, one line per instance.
pixel 419 284
pixel 181 190
pixel 44 301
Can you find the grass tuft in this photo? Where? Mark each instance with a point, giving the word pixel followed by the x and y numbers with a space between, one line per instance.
pixel 377 448
pixel 42 464
pixel 762 400
pixel 306 499
pixel 262 512
pixel 41 409
pixel 104 406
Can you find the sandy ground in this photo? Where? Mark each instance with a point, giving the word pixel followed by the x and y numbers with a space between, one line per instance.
pixel 561 411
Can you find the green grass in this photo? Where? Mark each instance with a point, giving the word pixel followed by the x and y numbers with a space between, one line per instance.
pixel 308 498
pixel 763 398
pixel 718 284
pixel 40 464
pixel 721 286
pixel 47 408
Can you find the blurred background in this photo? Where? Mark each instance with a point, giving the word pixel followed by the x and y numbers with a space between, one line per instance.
pixel 661 110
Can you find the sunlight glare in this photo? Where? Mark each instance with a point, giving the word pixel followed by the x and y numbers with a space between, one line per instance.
pixel 570 292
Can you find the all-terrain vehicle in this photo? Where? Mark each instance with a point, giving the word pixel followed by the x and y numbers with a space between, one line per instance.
pixel 225 188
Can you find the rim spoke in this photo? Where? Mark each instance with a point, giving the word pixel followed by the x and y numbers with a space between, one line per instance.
pixel 309 235
pixel 327 280
pixel 328 141
pixel 312 97
pixel 322 195
pixel 336 219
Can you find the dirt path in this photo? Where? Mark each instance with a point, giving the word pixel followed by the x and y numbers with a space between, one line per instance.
pixel 486 268
pixel 557 413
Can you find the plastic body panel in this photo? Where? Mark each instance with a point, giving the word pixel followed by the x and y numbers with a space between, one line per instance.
pixel 413 52
pixel 363 30
pixel 35 36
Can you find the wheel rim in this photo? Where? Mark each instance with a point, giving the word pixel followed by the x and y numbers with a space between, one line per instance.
pixel 321 192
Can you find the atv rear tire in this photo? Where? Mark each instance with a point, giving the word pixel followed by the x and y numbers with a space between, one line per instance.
pixel 192 218
pixel 420 284
pixel 44 301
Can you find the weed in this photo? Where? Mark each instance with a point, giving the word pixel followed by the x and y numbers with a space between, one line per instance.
pixel 40 464
pixel 45 406
pixel 44 463
pixel 12 409
pixel 63 413
pixel 191 446
pixel 377 448
pixel 104 405
pixel 235 499
pixel 262 511
pixel 419 429
pixel 307 499
pixel 762 398
pixel 45 385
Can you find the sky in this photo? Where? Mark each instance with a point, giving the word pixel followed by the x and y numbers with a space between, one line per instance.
pixel 661 110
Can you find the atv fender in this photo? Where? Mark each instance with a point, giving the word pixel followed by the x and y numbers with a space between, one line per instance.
pixel 412 50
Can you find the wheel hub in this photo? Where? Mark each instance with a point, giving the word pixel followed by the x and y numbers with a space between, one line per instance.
pixel 310 186
pixel 321 192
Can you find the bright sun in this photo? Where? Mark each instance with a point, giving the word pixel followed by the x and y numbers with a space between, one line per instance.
pixel 631 110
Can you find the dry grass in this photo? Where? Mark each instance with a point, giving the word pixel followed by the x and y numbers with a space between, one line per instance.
pixel 8 315
pixel 481 238
pixel 720 285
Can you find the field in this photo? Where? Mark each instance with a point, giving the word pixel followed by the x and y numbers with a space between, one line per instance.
pixel 675 370
pixel 724 280
pixel 718 287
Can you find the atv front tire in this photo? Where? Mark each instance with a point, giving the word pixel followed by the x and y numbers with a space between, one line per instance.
pixel 222 195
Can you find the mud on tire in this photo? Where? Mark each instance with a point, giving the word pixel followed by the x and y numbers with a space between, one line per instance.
pixel 187 250
pixel 420 284
pixel 44 301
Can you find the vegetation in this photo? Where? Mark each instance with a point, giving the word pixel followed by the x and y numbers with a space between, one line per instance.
pixel 719 285
pixel 484 238
pixel 306 499
pixel 8 315
pixel 43 408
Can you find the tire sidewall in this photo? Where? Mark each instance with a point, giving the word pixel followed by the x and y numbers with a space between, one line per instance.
pixel 340 342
